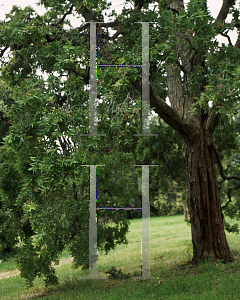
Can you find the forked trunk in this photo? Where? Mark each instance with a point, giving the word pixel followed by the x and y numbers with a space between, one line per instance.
pixel 208 236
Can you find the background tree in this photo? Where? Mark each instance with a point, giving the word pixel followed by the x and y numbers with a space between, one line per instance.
pixel 226 138
pixel 7 234
pixel 50 198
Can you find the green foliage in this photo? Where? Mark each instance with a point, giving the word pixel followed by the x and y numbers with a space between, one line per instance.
pixel 43 185
pixel 166 151
pixel 231 228
pixel 226 139
pixel 9 215
pixel 189 249
pixel 167 206
pixel 117 274
pixel 7 254
pixel 37 186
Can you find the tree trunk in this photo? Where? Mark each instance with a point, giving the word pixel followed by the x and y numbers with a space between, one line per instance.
pixel 185 210
pixel 208 236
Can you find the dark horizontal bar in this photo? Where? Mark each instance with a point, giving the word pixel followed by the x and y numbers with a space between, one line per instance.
pixel 119 208
pixel 119 66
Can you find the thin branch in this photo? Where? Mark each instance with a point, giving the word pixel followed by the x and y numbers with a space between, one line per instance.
pixel 85 196
pixel 62 143
pixel 88 16
pixel 227 36
pixel 237 186
pixel 224 11
pixel 3 51
pixel 64 16
pixel 220 167
pixel 181 67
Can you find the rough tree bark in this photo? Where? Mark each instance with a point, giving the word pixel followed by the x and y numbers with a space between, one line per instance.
pixel 208 236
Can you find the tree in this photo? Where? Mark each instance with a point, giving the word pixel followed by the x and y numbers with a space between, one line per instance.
pixel 43 145
pixel 195 70
pixel 195 57
pixel 44 189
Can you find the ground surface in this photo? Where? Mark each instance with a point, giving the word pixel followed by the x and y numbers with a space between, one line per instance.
pixel 17 272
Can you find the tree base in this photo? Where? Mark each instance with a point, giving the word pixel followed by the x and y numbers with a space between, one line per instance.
pixel 212 259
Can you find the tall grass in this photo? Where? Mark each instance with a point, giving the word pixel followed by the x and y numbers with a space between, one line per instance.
pixel 170 250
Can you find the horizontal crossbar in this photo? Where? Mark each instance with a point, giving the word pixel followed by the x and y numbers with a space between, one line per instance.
pixel 119 208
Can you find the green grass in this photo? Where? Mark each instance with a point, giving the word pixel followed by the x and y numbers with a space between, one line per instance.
pixel 170 239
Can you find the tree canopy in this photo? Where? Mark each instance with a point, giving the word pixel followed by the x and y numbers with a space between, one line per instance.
pixel 44 187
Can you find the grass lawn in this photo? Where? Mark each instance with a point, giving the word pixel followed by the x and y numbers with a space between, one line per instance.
pixel 170 250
